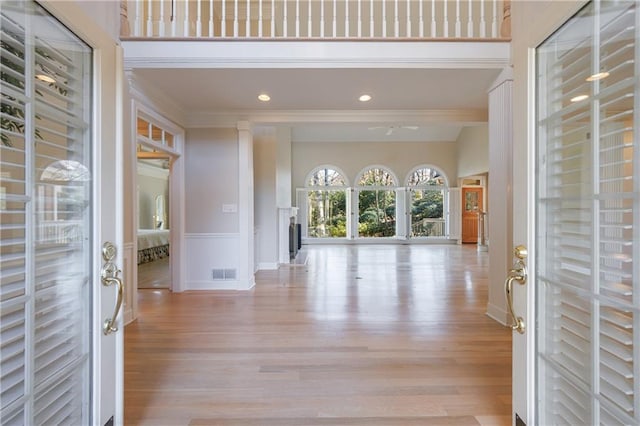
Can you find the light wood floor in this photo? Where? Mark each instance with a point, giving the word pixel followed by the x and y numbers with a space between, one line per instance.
pixel 154 274
pixel 366 335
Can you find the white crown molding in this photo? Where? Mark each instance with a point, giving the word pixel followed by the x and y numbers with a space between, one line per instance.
pixel 229 53
pixel 210 119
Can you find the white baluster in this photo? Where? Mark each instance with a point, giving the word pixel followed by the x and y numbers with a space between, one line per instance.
pixel 494 21
pixel 421 19
pixel 359 18
pixel 335 18
pixel 384 18
pixel 273 18
pixel 346 18
pixel 408 18
pixel 458 25
pixel 150 19
pixel 210 18
pixel 247 24
pixel 185 30
pixel 371 21
pixel 174 20
pixel 199 19
pixel 260 18
pixel 137 27
pixel 396 19
pixel 235 18
pixel 223 19
pixel 483 32
pixel 297 18
pixel 161 21
pixel 321 18
pixel 470 22
pixel 445 32
pixel 433 18
pixel 309 21
pixel 285 20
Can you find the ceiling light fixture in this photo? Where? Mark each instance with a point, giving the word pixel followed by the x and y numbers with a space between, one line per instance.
pixel 264 97
pixel 365 98
pixel 598 76
pixel 45 78
pixel 579 98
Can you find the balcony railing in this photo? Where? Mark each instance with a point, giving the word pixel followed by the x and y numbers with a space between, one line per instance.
pixel 317 19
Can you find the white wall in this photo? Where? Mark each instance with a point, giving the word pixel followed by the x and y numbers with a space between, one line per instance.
pixel 211 180
pixel 473 151
pixel 351 158
pixel 105 14
pixel 265 150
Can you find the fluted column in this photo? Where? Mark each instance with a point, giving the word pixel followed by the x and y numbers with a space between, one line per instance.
pixel 500 195
pixel 246 276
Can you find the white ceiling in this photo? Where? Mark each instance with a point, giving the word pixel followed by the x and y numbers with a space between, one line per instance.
pixel 401 97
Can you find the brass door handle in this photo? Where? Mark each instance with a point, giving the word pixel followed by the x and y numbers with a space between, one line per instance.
pixel 109 276
pixel 518 274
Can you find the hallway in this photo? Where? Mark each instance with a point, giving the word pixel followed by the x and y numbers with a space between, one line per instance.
pixel 365 335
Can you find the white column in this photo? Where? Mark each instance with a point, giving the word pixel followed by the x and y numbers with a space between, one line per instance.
pixel 500 204
pixel 246 276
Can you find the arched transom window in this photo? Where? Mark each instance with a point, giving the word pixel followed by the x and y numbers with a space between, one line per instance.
pixel 326 176
pixel 426 176
pixel 377 176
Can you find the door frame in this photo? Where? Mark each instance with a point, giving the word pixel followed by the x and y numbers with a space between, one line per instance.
pixel 548 16
pixel 176 198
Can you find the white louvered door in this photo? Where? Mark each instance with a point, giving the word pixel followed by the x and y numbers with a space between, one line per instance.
pixel 588 219
pixel 53 353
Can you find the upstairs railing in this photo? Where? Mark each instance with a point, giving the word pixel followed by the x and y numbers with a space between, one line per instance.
pixel 317 19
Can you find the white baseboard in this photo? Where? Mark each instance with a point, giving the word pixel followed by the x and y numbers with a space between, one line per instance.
pixel 267 266
pixel 219 285
pixel 497 313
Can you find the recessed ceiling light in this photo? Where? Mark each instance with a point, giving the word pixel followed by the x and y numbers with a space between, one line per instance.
pixel 45 78
pixel 365 98
pixel 598 76
pixel 579 98
pixel 264 97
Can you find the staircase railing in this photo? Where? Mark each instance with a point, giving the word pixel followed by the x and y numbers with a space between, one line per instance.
pixel 317 19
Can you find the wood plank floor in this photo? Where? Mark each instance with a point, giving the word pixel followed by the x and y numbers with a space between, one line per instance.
pixel 360 335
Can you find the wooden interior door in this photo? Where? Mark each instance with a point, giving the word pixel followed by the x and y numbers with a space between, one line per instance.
pixel 471 206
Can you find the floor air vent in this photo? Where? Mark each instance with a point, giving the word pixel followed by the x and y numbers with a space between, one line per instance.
pixel 224 274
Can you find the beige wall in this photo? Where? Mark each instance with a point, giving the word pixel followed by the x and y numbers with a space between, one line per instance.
pixel 352 158
pixel 473 151
pixel 211 180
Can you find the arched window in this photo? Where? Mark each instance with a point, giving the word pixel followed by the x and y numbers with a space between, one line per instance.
pixel 428 189
pixel 426 175
pixel 326 176
pixel 376 205
pixel 326 203
pixel 376 176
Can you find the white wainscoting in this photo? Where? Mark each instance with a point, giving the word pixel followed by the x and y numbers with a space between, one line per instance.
pixel 206 252
pixel 130 305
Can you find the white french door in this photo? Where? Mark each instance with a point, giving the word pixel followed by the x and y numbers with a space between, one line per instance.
pixel 582 331
pixel 58 204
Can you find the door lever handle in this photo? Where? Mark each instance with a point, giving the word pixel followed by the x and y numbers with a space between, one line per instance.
pixel 518 274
